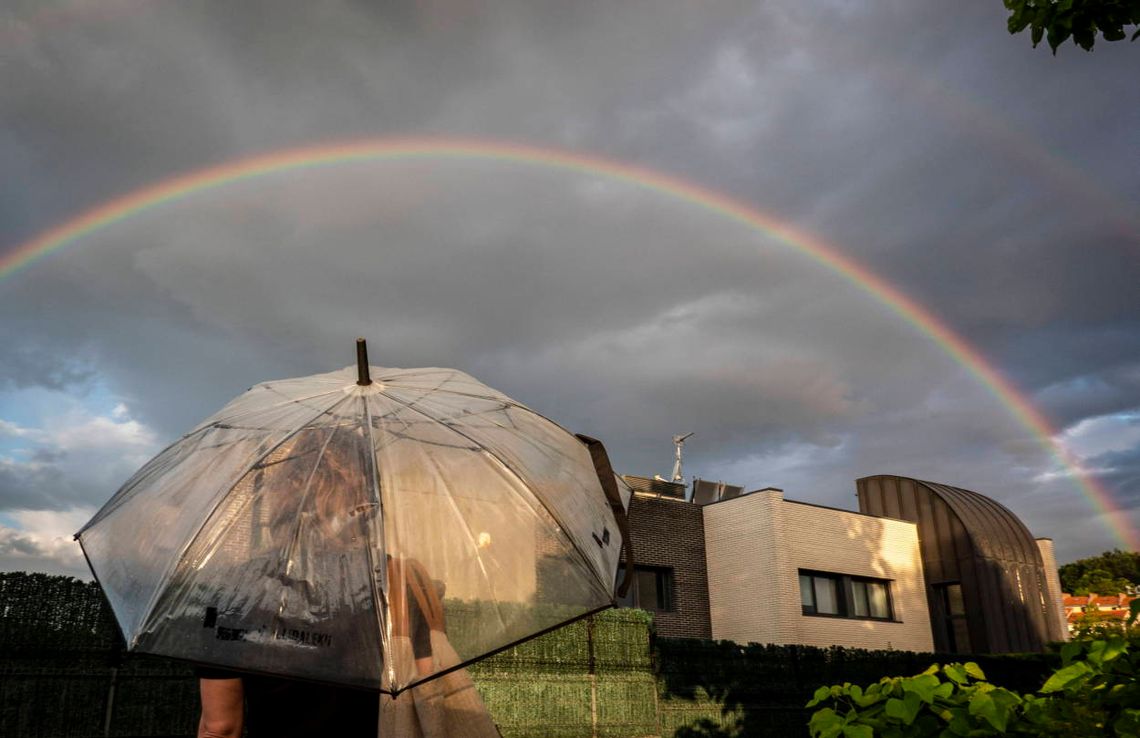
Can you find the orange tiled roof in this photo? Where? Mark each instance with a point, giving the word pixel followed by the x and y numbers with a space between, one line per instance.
pixel 1076 615
pixel 1113 600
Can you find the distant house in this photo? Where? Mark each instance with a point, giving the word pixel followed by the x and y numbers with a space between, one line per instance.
pixel 1101 607
pixel 921 566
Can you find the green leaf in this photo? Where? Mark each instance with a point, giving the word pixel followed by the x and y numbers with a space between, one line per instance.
pixel 1017 22
pixel 858 731
pixel 1084 34
pixel 956 672
pixel 820 695
pixel 1065 676
pixel 1113 33
pixel 974 670
pixel 922 685
pixel 1114 647
pixel 1057 36
pixel 905 709
pixel 1096 652
pixel 984 706
pixel 1005 700
pixel 959 722
pixel 943 691
pixel 1069 651
pixel 1128 724
pixel 824 720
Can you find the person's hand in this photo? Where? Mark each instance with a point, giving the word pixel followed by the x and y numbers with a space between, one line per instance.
pixel 222 708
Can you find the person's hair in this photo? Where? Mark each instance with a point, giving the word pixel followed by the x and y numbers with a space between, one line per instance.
pixel 322 471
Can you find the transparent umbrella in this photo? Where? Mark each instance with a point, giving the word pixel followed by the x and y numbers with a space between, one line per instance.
pixel 370 527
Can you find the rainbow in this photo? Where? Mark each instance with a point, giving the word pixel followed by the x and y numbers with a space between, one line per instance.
pixel 391 149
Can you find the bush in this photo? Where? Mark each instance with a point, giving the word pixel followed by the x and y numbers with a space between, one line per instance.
pixel 1095 692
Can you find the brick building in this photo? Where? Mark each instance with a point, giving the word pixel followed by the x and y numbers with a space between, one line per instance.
pixel 669 550
pixel 756 567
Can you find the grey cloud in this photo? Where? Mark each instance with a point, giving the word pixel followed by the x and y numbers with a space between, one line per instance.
pixel 34 486
pixel 928 146
pixel 1108 390
pixel 20 545
pixel 29 363
pixel 1122 477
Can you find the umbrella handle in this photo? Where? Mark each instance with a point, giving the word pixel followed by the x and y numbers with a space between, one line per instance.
pixel 605 472
pixel 363 377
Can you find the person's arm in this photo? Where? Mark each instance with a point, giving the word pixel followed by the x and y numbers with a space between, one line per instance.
pixel 222 708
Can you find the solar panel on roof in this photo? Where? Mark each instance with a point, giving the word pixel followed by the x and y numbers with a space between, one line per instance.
pixel 731 491
pixel 705 492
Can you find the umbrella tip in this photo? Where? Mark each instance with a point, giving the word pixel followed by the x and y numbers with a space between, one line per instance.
pixel 363 377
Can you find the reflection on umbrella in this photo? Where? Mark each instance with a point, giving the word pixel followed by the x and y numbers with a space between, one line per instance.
pixel 316 527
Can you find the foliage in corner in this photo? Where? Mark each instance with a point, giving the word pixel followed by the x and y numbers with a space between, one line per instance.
pixel 1095 692
pixel 1111 572
pixel 1059 20
pixel 951 700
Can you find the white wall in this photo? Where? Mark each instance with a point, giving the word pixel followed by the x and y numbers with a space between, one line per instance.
pixel 758 543
pixel 1055 606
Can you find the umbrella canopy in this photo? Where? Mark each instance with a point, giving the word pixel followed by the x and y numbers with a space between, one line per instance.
pixel 336 528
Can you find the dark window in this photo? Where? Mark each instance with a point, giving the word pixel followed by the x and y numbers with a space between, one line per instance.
pixel 954 616
pixel 840 595
pixel 651 589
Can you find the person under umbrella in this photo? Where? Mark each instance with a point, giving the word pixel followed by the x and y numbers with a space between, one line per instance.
pixel 267 539
pixel 265 704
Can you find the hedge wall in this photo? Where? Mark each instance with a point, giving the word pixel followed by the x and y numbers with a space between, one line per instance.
pixel 63 673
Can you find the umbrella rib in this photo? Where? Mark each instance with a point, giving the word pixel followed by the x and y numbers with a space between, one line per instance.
pixel 513 472
pixel 487 414
pixel 383 624
pixel 295 536
pixel 114 504
pixel 523 437
pixel 474 544
pixel 260 410
pixel 144 621
pixel 498 397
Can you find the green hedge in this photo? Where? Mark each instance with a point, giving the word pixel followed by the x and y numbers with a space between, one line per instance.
pixel 604 676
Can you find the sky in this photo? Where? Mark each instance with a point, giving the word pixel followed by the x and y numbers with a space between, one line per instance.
pixel 990 185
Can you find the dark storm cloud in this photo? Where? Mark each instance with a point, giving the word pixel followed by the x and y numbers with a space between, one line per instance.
pixel 1111 389
pixel 34 486
pixel 26 364
pixel 1122 475
pixel 928 145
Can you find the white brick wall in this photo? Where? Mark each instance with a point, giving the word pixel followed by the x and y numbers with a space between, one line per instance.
pixel 747 602
pixel 758 543
pixel 1055 603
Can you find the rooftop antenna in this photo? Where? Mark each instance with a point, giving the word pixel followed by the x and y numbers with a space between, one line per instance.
pixel 679 441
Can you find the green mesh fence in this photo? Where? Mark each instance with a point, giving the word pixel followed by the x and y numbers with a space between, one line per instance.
pixel 63 674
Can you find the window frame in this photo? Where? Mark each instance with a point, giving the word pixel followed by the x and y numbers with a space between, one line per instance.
pixel 665 583
pixel 845 601
pixel 952 620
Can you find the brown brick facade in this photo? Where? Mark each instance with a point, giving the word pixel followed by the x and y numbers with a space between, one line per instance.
pixel 670 533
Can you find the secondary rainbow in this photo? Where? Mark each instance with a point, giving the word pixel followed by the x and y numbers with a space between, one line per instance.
pixel 388 149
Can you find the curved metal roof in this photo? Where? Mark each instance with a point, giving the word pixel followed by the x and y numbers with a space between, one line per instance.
pixel 996 532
